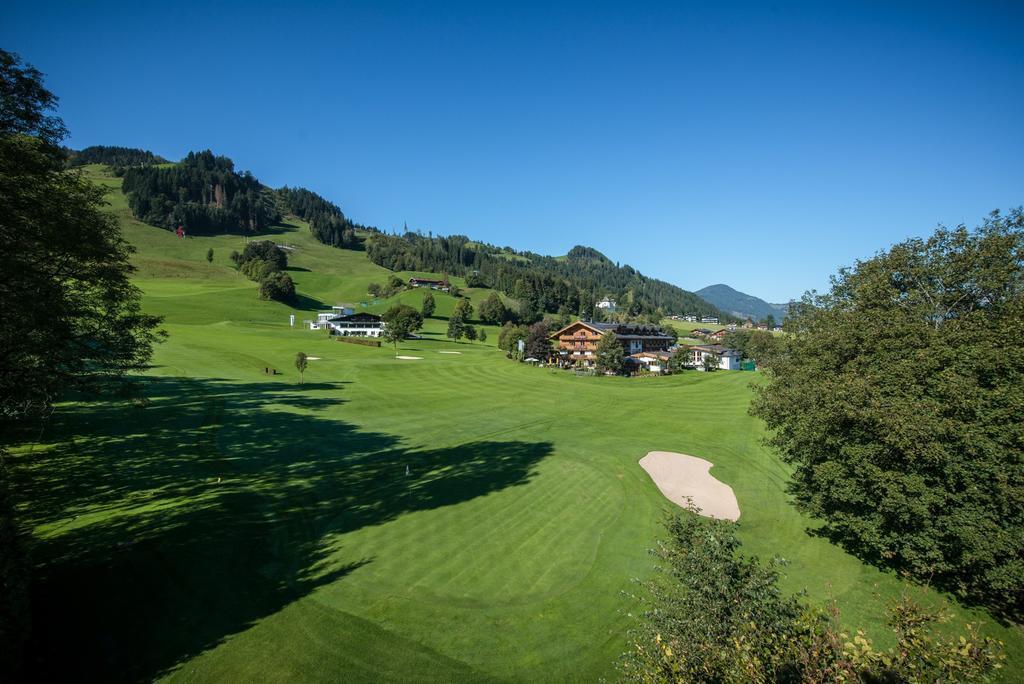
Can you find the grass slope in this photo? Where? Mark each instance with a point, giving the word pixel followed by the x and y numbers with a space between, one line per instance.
pixel 244 526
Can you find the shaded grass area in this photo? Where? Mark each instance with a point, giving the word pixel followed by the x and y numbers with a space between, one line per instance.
pixel 181 543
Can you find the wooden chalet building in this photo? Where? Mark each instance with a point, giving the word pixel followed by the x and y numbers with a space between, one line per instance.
pixel 442 285
pixel 718 335
pixel 577 343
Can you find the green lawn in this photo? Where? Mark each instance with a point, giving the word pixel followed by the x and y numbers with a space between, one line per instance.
pixel 247 527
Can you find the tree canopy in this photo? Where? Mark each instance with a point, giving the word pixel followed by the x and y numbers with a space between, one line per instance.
pixel 326 221
pixel 610 356
pixel 429 306
pixel 203 193
pixel 72 320
pixel 112 155
pixel 898 397
pixel 402 320
pixel 262 261
pixel 716 615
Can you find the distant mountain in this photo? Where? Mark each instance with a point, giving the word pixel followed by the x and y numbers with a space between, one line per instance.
pixel 741 304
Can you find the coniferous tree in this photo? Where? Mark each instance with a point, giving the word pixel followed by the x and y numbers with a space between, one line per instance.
pixel 610 357
pixel 429 305
pixel 203 194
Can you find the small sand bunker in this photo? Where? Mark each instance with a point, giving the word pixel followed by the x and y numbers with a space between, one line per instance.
pixel 410 358
pixel 449 352
pixel 679 477
pixel 312 358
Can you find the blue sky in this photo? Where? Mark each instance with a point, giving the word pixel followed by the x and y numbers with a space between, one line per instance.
pixel 763 145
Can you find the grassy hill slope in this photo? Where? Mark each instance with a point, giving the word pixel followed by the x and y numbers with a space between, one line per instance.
pixel 457 517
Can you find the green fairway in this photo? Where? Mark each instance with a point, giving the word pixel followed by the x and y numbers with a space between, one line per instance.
pixel 459 517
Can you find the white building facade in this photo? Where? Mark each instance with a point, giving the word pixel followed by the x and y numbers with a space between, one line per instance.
pixel 723 357
pixel 351 324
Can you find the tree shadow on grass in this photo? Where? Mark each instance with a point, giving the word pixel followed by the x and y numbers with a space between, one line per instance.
pixel 161 531
pixel 1006 613
pixel 306 303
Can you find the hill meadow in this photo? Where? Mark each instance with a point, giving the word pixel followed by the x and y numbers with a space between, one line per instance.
pixel 431 510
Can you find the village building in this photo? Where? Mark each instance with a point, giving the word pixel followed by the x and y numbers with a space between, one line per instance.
pixel 709 319
pixel 725 358
pixel 577 342
pixel 718 335
pixel 323 316
pixel 653 361
pixel 700 332
pixel 350 324
pixel 608 304
pixel 442 285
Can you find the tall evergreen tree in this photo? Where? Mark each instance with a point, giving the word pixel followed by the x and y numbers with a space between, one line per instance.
pixel 429 306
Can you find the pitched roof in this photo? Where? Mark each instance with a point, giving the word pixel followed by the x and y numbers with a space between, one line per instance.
pixel 596 327
pixel 360 317
pixel 714 349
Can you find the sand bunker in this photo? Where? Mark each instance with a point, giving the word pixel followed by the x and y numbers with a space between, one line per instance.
pixel 680 477
pixel 449 352
pixel 312 358
pixel 410 358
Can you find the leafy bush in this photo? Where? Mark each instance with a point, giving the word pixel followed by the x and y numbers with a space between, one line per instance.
pixel 262 261
pixel 365 341
pixel 510 335
pixel 277 286
pixel 265 250
pixel 714 615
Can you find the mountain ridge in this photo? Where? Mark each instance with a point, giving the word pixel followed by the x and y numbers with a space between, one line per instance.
pixel 741 304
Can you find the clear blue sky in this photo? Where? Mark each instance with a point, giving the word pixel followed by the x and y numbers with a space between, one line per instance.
pixel 758 144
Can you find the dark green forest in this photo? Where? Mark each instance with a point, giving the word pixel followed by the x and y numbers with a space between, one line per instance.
pixel 326 220
pixel 203 194
pixel 111 155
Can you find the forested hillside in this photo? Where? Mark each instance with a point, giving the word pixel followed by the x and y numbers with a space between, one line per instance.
pixel 326 220
pixel 112 155
pixel 569 285
pixel 204 194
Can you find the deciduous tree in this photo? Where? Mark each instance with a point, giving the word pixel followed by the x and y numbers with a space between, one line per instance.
pixel 402 320
pixel 715 615
pixel 71 318
pixel 492 310
pixel 898 398
pixel 538 345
